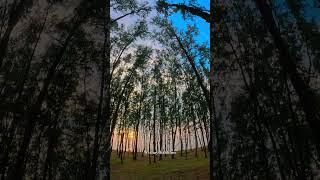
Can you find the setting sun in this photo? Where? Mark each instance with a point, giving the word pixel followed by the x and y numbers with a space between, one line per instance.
pixel 130 134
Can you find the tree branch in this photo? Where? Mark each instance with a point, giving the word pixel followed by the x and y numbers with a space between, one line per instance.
pixel 192 10
pixel 129 13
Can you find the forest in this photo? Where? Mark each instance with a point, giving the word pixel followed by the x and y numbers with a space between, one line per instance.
pixel 88 87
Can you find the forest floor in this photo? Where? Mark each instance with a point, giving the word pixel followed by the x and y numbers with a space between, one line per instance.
pixel 180 168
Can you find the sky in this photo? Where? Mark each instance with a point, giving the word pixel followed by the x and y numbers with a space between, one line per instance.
pixel 181 24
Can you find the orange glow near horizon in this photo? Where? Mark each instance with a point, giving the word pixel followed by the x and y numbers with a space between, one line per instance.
pixel 130 134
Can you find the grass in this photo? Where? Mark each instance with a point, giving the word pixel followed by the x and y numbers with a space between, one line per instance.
pixel 180 168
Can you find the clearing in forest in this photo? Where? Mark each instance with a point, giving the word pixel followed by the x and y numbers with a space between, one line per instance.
pixel 193 168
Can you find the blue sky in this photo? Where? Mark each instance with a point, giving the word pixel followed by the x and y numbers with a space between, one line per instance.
pixel 181 24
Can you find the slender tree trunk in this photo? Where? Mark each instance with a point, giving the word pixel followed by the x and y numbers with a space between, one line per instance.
pixel 180 135
pixel 167 141
pixel 195 131
pixel 189 136
pixel 173 138
pixel 137 136
pixel 126 143
pixel 203 140
pixel 154 125
pixel 161 138
pixel 149 153
pixel 186 142
pixel 176 114
pixel 144 142
pixel 118 141
pixel 121 147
